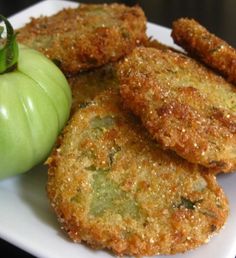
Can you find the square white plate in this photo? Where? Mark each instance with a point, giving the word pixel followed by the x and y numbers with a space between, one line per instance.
pixel 26 219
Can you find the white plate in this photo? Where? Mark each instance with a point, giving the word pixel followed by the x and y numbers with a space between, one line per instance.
pixel 27 221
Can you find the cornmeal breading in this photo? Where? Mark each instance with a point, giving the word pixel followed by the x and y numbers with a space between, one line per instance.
pixel 87 85
pixel 185 106
pixel 113 187
pixel 86 37
pixel 210 49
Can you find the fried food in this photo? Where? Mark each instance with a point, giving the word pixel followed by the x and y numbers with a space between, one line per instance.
pixel 86 37
pixel 87 85
pixel 211 50
pixel 154 43
pixel 112 187
pixel 185 106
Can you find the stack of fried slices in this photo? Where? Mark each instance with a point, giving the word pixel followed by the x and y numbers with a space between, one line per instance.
pixel 134 171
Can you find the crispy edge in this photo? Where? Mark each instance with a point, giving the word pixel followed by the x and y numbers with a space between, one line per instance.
pixel 133 89
pixel 207 47
pixel 74 53
pixel 95 236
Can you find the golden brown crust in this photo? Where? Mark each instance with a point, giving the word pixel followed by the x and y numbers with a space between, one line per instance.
pixel 213 51
pixel 87 85
pixel 112 187
pixel 86 37
pixel 185 107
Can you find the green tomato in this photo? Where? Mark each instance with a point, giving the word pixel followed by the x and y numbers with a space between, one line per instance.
pixel 35 101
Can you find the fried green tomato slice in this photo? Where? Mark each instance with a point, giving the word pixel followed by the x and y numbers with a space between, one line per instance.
pixel 184 106
pixel 87 85
pixel 112 187
pixel 210 49
pixel 86 37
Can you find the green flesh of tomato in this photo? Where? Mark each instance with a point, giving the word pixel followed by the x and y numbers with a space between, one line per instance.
pixel 108 197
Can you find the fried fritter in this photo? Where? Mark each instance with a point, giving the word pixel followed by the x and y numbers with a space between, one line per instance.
pixel 87 85
pixel 86 37
pixel 185 106
pixel 199 42
pixel 112 187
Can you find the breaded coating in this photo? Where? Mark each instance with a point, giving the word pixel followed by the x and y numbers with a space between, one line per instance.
pixel 87 85
pixel 154 43
pixel 86 37
pixel 185 106
pixel 112 187
pixel 211 50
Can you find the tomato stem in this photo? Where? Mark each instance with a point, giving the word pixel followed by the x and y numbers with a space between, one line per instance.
pixel 9 51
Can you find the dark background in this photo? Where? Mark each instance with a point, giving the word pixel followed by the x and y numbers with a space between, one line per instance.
pixel 219 16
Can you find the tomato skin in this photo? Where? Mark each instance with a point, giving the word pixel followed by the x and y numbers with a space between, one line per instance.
pixel 35 101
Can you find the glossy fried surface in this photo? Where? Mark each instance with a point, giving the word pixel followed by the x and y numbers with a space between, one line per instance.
pixel 87 85
pixel 185 106
pixel 210 49
pixel 112 187
pixel 86 37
